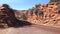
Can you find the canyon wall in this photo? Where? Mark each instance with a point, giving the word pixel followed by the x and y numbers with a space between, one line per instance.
pixel 51 15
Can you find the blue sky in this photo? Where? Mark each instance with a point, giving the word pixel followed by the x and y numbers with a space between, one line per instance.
pixel 23 4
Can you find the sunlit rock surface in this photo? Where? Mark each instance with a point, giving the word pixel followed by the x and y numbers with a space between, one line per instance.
pixel 51 15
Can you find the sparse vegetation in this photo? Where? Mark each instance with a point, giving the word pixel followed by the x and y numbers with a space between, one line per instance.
pixel 54 1
pixel 37 5
pixel 51 1
pixel 23 17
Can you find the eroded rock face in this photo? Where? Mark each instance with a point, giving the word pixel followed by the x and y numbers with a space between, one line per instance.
pixel 51 15
pixel 7 16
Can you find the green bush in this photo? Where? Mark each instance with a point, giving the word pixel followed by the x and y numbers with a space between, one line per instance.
pixel 51 1
pixel 54 1
pixel 24 17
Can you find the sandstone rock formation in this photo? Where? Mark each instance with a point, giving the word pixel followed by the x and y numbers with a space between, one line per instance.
pixel 51 15
pixel 8 19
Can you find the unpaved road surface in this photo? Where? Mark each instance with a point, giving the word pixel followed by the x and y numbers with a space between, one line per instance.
pixel 33 29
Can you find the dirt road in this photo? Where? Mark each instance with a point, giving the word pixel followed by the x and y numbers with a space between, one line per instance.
pixel 34 29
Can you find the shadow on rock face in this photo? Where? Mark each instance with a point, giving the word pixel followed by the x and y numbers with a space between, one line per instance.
pixel 17 24
pixel 20 23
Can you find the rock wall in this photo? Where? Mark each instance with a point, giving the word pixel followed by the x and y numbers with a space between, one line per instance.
pixel 51 15
pixel 7 16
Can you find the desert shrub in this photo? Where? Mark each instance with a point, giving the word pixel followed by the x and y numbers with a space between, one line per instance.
pixel 40 13
pixel 23 16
